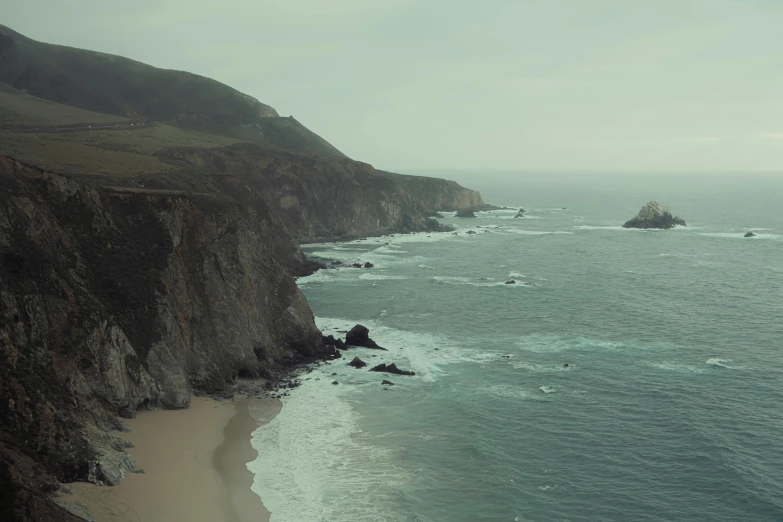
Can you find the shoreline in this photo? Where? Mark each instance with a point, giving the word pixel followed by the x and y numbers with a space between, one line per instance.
pixel 194 462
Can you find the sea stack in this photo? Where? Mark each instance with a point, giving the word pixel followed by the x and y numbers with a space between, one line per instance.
pixel 465 213
pixel 654 215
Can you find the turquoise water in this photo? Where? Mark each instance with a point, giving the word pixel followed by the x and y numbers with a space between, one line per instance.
pixel 671 407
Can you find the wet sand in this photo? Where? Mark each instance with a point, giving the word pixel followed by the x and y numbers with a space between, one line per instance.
pixel 195 466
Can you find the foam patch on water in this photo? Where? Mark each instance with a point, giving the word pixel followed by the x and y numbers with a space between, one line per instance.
pixel 547 389
pixel 723 363
pixel 556 344
pixel 526 232
pixel 369 276
pixel 315 463
pixel 507 391
pixel 481 282
pixel 541 368
pixel 677 367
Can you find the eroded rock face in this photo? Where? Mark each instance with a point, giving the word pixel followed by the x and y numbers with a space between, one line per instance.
pixel 360 336
pixel 114 301
pixel 654 215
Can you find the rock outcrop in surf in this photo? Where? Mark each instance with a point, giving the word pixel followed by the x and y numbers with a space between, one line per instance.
pixel 654 215
pixel 360 336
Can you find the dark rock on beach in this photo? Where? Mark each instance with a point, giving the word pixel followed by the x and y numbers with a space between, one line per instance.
pixel 391 368
pixel 360 336
pixel 654 215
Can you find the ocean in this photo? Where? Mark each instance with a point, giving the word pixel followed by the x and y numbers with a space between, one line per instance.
pixel 671 403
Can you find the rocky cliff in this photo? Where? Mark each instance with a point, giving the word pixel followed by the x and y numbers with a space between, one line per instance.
pixel 145 261
pixel 114 301
pixel 434 194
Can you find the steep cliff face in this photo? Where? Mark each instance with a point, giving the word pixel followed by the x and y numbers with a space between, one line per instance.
pixel 437 194
pixel 111 301
pixel 320 198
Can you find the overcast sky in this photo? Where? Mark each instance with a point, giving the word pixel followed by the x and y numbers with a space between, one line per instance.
pixel 503 84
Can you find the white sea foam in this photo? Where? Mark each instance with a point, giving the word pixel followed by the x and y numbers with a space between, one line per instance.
pixel 373 276
pixel 677 367
pixel 722 363
pixel 541 368
pixel 426 354
pixel 315 463
pixel 481 282
pixel 555 344
pixel 547 389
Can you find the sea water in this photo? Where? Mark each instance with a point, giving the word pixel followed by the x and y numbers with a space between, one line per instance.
pixel 670 406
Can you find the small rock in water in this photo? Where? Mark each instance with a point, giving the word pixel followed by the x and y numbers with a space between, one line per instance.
pixel 357 363
pixel 391 368
pixel 511 282
pixel 750 234
pixel 335 382
pixel 565 365
pixel 368 265
pixel 359 336
pixel 388 383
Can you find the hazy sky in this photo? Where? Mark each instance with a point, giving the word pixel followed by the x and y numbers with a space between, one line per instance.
pixel 528 84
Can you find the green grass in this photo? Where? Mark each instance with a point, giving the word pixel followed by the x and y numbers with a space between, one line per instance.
pixel 17 108
pixel 110 153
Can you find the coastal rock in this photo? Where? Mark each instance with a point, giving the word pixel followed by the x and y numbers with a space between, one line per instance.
pixel 391 368
pixel 335 382
pixel 465 213
pixel 357 363
pixel 511 282
pixel 368 265
pixel 654 215
pixel 360 336
pixel 750 234
pixel 387 383
pixel 471 232
pixel 521 213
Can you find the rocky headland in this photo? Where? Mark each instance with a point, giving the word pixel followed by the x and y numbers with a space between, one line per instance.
pixel 654 215
pixel 156 262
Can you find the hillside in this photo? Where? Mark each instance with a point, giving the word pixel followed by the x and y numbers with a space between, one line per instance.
pixel 146 255
pixel 118 86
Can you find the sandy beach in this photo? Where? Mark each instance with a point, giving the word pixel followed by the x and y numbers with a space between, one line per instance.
pixel 195 466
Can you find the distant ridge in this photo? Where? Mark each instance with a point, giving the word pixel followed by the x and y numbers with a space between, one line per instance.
pixel 118 86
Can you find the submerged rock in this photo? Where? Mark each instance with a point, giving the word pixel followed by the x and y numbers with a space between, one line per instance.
pixel 391 368
pixel 360 336
pixel 387 383
pixel 654 215
pixel 750 234
pixel 471 232
pixel 357 363
pixel 465 213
